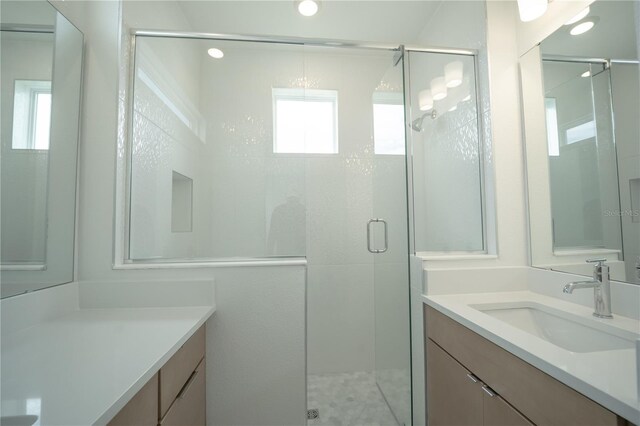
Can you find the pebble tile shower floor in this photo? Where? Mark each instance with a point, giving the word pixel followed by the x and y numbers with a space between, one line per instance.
pixel 347 399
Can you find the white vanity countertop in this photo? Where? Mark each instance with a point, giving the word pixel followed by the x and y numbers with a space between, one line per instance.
pixel 607 377
pixel 84 366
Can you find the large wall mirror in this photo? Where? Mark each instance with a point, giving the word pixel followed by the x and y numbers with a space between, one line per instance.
pixel 581 103
pixel 40 78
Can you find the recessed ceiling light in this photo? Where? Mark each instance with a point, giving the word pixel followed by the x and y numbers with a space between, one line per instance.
pixel 308 7
pixel 215 53
pixel 582 27
pixel 466 98
pixel 453 108
pixel 586 74
pixel 578 17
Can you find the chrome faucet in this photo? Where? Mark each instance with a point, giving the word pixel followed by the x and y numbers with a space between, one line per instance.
pixel 601 288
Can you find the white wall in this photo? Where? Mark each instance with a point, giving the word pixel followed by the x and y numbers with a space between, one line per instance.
pixel 625 89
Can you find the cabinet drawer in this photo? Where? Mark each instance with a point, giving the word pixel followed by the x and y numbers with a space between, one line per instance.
pixel 142 410
pixel 175 373
pixel 540 397
pixel 189 406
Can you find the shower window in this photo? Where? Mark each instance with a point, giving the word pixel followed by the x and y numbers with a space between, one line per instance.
pixel 305 121
pixel 31 114
pixel 388 124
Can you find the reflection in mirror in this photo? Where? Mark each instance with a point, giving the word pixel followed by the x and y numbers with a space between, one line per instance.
pixel 40 81
pixel 27 59
pixel 581 96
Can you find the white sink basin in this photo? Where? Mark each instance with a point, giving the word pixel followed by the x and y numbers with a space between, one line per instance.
pixel 567 331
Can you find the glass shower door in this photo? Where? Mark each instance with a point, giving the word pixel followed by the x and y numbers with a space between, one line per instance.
pixel 389 244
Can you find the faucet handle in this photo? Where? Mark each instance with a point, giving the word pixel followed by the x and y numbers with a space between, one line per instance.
pixel 598 262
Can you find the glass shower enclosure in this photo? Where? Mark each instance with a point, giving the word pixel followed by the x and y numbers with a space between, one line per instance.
pixel 287 149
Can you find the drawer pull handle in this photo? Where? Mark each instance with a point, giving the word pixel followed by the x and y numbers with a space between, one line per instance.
pixel 488 390
pixel 473 378
pixel 187 385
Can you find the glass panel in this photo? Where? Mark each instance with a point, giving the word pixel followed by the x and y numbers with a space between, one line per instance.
pixel 354 376
pixel 391 268
pixel 211 121
pixel 446 148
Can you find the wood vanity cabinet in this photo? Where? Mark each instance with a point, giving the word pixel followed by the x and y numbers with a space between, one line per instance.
pixel 472 381
pixel 175 395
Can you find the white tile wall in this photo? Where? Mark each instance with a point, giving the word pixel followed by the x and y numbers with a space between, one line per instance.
pixel 340 318
pixel 255 356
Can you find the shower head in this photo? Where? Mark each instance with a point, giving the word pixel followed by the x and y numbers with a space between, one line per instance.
pixel 417 123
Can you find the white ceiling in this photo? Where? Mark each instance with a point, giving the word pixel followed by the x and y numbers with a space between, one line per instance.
pixel 613 37
pixel 392 21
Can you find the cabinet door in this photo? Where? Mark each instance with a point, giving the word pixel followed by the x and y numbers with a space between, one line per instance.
pixel 453 395
pixel 497 412
pixel 189 408
pixel 142 410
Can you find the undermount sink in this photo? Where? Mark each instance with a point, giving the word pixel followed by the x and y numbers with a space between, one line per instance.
pixel 559 328
pixel 26 420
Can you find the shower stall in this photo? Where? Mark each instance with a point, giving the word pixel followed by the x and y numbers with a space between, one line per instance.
pixel 286 149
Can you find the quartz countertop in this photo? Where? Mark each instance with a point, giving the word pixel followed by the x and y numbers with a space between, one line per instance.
pixel 607 377
pixel 82 367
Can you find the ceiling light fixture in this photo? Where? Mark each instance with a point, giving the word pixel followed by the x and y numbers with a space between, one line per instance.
pixel 578 17
pixel 531 9
pixel 453 74
pixel 215 53
pixel 425 100
pixel 582 27
pixel 308 7
pixel 586 74
pixel 438 89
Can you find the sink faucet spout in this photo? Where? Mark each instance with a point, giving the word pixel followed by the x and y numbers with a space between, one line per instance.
pixel 576 285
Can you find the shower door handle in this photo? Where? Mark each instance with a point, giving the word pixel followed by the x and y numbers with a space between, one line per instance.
pixel 386 236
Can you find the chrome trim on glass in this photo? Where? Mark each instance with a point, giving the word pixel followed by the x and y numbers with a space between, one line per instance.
pixel 296 40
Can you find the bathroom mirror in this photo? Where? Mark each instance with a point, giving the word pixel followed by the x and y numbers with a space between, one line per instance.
pixel 580 91
pixel 41 77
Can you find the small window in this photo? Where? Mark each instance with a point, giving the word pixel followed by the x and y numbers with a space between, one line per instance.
pixel 388 124
pixel 181 203
pixel 305 121
pixel 551 112
pixel 581 132
pixel 31 114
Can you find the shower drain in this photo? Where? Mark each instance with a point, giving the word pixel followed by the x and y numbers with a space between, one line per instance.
pixel 314 413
